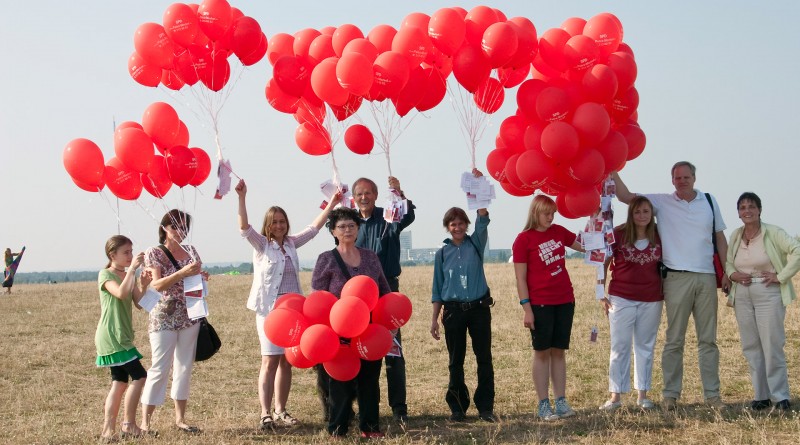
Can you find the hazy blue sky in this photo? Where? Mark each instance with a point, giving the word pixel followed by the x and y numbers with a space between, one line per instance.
pixel 717 82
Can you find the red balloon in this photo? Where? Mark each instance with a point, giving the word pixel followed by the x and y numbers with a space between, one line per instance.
pixel 203 166
pixel 171 80
pixel 83 160
pixel 363 47
pixel 551 48
pixel 214 18
pixel 344 366
pixel 588 167
pixel 560 141
pixel 280 45
pixel 542 71
pixel 280 100
pixel 446 29
pixel 363 287
pixel 600 84
pixel 592 123
pixel 302 41
pixel 624 66
pixel 317 307
pixel 183 135
pixel 246 36
pixel 635 138
pixel 343 35
pixel 511 77
pixel 354 73
pixel 312 140
pixel 412 93
pixel 512 132
pixel 325 84
pixel 154 45
pixel 382 36
pixel 349 316
pixel 359 139
pixel 87 187
pixel 606 33
pixel 434 91
pixel 614 150
pixel 561 206
pixel 476 21
pixel 391 72
pixel 216 74
pixel 296 358
pixel 160 121
pixel 285 327
pixel 290 300
pixel 157 181
pixel 134 148
pixel 511 172
pixel 181 24
pixel 348 109
pixel 320 49
pixel 413 43
pixel 182 165
pixel 534 169
pixel 471 67
pixel 142 72
pixel 489 96
pixel 552 104
pixel 256 55
pixel 573 26
pixel 327 30
pixel 533 136
pixel 314 115
pixel 527 45
pixel 515 191
pixel 292 75
pixel 188 63
pixel 496 163
pixel 499 43
pixel 393 310
pixel 527 95
pixel 374 343
pixel 583 201
pixel 319 343
pixel 623 47
pixel 417 19
pixel 128 124
pixel 580 53
pixel 624 105
pixel 123 182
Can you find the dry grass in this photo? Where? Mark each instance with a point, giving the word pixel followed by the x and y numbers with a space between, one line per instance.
pixel 52 393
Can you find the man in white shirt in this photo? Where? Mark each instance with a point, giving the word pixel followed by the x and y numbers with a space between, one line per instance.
pixel 685 224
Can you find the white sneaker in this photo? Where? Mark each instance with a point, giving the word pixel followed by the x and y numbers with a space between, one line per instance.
pixel 645 404
pixel 610 406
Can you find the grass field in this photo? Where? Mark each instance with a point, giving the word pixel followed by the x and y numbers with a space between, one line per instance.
pixel 51 392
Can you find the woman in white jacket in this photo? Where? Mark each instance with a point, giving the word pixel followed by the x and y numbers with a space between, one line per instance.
pixel 275 272
pixel 762 259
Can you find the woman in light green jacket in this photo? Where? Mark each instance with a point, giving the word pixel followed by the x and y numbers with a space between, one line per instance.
pixel 762 259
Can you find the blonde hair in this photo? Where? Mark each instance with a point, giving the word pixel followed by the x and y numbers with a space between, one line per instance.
pixel 114 243
pixel 539 205
pixel 629 228
pixel 269 218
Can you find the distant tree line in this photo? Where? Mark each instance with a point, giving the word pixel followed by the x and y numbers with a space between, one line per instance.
pixel 91 275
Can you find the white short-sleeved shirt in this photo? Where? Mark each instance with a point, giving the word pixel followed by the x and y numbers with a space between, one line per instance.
pixel 685 230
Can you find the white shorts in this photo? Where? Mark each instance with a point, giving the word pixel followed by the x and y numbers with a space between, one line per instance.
pixel 267 347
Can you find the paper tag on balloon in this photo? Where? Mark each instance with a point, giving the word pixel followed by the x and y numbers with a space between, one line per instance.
pixel 224 176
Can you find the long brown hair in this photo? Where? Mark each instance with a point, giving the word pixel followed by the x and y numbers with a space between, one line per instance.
pixel 629 227
pixel 172 218
pixel 114 243
pixel 269 217
pixel 539 205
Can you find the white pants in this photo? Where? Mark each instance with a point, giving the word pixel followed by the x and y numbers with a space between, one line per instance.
pixel 632 323
pixel 170 349
pixel 760 313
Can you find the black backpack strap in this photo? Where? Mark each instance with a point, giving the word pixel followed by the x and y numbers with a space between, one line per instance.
pixel 169 255
pixel 713 222
pixel 340 261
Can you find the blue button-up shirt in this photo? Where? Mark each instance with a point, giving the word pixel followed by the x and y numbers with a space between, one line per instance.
pixel 458 269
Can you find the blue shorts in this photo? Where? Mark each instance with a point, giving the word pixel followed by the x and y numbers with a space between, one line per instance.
pixel 552 326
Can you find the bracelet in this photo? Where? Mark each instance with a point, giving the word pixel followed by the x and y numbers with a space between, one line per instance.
pixel 523 301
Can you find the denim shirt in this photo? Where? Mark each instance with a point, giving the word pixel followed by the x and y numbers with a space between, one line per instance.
pixel 458 270
pixel 383 238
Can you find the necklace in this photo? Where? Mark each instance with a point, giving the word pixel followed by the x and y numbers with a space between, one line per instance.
pixel 747 239
pixel 118 270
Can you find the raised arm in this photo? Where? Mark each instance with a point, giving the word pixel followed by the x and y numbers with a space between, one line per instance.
pixel 323 216
pixel 241 190
pixel 477 173
pixel 126 288
pixel 623 194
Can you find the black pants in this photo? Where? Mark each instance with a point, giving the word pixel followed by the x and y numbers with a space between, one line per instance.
pixel 396 370
pixel 365 388
pixel 477 322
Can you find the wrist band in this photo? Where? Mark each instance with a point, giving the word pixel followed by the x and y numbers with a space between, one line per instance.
pixel 523 301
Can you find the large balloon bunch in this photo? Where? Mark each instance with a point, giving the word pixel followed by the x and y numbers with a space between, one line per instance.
pixel 576 118
pixel 193 43
pixel 311 328
pixel 136 164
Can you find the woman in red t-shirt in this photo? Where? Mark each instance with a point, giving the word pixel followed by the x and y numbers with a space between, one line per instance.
pixel 545 293
pixel 633 303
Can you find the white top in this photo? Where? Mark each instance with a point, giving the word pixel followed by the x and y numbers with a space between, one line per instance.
pixel 685 230
pixel 269 263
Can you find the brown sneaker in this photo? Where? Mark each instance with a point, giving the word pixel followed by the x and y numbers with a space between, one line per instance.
pixel 715 403
pixel 669 403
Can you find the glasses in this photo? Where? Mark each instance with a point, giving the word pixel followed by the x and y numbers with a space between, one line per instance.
pixel 346 227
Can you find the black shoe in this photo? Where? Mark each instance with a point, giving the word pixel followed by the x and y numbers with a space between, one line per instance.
pixel 783 405
pixel 758 405
pixel 458 416
pixel 401 418
pixel 488 416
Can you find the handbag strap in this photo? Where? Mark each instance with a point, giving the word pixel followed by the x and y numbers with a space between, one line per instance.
pixel 713 222
pixel 340 261
pixel 169 255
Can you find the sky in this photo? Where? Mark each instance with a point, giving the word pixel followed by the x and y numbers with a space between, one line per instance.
pixel 717 82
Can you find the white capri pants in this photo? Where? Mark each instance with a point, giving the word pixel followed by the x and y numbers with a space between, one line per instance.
pixel 170 349
pixel 632 323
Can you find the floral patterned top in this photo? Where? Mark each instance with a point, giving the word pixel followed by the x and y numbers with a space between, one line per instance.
pixel 170 312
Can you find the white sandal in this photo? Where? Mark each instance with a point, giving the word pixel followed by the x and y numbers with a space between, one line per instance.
pixel 286 419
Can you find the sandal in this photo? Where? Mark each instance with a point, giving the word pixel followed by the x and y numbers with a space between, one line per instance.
pixel 266 423
pixel 286 419
pixel 188 429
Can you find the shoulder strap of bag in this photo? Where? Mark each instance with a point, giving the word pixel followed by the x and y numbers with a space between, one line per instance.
pixel 713 222
pixel 169 255
pixel 340 261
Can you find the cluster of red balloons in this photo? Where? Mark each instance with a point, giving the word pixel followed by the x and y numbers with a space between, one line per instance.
pixel 341 67
pixel 576 119
pixel 310 327
pixel 193 44
pixel 136 165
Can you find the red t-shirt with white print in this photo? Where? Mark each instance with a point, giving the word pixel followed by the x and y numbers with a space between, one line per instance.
pixel 544 253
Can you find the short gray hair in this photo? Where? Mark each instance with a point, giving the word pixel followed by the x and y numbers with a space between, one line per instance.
pixel 691 166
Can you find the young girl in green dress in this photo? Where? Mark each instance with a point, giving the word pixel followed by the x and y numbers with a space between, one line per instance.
pixel 113 339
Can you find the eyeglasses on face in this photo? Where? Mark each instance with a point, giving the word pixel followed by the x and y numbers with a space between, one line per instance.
pixel 346 227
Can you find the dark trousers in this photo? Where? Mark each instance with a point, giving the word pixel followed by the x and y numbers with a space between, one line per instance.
pixel 365 388
pixel 396 369
pixel 477 322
